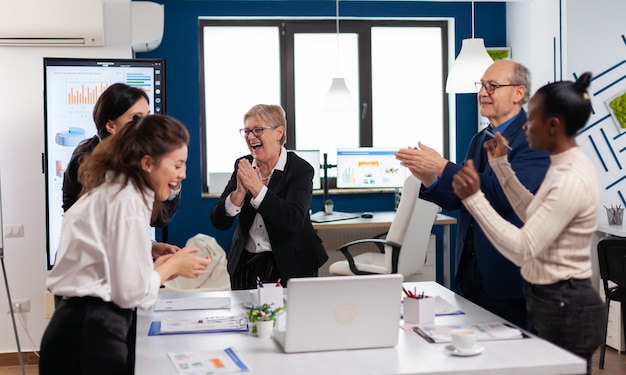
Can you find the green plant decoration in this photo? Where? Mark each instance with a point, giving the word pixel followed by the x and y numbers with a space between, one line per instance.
pixel 264 312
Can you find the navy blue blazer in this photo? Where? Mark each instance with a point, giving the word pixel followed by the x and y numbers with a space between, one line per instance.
pixel 501 278
pixel 297 249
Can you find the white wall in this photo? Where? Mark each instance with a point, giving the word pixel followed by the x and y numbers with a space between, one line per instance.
pixel 532 32
pixel 22 180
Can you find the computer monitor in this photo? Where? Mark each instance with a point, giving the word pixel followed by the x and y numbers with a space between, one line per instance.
pixel 71 88
pixel 313 157
pixel 369 167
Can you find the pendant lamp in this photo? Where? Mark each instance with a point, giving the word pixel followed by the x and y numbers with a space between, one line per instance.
pixel 338 97
pixel 469 66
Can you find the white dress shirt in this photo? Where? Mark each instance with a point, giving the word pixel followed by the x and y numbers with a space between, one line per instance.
pixel 105 248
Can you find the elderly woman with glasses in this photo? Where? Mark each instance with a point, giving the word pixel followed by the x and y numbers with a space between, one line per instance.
pixel 270 190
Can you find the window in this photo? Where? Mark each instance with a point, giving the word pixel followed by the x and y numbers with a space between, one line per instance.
pixel 395 70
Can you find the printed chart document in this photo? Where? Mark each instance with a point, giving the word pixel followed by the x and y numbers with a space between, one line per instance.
pixel 203 303
pixel 237 323
pixel 208 362
pixel 444 308
pixel 486 331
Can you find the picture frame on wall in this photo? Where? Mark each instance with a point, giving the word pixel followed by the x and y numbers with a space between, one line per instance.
pixel 499 53
pixel 617 108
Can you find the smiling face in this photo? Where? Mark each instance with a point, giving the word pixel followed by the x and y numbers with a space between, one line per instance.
pixel 141 108
pixel 266 147
pixel 539 129
pixel 166 175
pixel 504 102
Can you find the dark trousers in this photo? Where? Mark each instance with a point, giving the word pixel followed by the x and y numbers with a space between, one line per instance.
pixel 252 266
pixel 470 284
pixel 86 336
pixel 569 314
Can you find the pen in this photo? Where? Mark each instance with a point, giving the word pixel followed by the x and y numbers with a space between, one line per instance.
pixel 259 282
pixel 278 283
pixel 489 133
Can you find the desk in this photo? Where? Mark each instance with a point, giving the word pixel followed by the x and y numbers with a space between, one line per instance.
pixel 382 220
pixel 412 354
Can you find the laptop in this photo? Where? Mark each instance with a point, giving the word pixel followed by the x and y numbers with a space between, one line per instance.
pixel 341 312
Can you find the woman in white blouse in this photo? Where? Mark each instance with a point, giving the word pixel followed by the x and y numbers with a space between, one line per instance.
pixel 104 265
pixel 553 246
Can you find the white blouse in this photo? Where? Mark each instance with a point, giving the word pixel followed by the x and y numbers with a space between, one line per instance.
pixel 105 248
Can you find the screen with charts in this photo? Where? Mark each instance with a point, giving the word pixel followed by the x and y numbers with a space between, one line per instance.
pixel 369 167
pixel 71 88
pixel 313 158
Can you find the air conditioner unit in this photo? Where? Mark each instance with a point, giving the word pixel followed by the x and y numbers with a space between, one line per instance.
pixel 147 23
pixel 51 23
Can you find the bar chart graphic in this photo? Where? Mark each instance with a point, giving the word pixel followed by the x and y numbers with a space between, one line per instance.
pixel 82 93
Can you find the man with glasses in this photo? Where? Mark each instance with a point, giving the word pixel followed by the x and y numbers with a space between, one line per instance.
pixel 483 275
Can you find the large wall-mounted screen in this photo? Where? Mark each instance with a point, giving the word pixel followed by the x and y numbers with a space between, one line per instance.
pixel 71 88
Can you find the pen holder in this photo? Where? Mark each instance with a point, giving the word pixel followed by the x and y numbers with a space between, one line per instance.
pixel 272 295
pixel 615 216
pixel 418 310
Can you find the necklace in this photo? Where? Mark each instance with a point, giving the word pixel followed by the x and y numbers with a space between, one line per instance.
pixel 264 179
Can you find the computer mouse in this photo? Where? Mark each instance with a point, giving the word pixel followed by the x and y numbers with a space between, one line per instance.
pixel 367 215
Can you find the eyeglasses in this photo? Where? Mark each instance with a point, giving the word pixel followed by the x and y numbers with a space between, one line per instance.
pixel 256 131
pixel 491 87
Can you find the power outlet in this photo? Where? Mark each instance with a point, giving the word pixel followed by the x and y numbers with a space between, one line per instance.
pixel 19 306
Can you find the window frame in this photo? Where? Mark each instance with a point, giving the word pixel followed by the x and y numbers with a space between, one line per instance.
pixel 288 28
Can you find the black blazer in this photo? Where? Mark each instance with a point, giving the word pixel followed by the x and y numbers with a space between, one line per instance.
pixel 297 249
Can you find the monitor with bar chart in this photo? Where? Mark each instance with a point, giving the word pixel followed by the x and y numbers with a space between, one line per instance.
pixel 71 88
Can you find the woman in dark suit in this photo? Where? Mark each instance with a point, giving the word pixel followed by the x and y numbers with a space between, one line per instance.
pixel 270 190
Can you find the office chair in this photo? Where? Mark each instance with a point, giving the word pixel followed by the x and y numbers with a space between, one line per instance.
pixel 214 278
pixel 612 259
pixel 404 248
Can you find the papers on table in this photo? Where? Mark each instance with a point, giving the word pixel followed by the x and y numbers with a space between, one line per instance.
pixel 486 331
pixel 203 303
pixel 237 323
pixel 208 362
pixel 442 307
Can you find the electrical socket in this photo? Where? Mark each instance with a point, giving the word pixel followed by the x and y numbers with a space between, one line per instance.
pixel 19 306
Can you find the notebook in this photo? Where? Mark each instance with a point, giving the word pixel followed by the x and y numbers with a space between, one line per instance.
pixel 341 312
pixel 322 217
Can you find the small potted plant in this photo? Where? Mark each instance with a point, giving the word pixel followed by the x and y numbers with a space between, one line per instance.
pixel 263 319
pixel 328 206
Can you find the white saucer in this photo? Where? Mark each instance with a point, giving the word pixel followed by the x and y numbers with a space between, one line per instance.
pixel 454 351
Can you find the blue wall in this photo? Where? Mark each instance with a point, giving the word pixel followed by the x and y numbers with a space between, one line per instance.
pixel 180 49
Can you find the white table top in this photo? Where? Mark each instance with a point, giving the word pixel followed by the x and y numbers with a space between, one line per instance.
pixel 412 354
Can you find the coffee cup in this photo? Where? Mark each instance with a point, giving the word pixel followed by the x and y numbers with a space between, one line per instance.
pixel 464 340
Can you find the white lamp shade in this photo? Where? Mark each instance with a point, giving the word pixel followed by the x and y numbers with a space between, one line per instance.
pixel 338 97
pixel 469 67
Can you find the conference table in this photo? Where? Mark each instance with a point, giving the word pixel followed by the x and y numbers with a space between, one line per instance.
pixel 382 220
pixel 412 354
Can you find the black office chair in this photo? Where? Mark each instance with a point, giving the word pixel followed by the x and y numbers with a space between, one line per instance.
pixel 612 259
